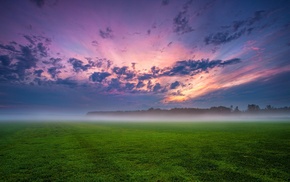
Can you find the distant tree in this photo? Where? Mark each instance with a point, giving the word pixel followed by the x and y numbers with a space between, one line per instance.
pixel 237 110
pixel 269 107
pixel 151 109
pixel 253 108
pixel 154 110
pixel 220 109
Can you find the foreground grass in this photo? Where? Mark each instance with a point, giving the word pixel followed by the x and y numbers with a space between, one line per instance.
pixel 144 152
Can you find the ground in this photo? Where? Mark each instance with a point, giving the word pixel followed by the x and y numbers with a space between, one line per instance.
pixel 176 151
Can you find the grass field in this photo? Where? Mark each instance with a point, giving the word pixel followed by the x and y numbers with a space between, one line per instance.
pixel 63 151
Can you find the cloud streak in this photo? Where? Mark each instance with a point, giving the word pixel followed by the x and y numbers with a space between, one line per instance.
pixel 107 33
pixel 181 21
pixel 236 29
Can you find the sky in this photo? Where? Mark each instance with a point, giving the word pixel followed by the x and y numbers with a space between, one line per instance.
pixel 75 56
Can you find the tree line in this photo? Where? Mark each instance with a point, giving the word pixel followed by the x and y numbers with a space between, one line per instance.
pixel 251 109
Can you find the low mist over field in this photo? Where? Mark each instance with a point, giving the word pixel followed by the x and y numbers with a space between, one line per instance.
pixel 220 114
pixel 207 118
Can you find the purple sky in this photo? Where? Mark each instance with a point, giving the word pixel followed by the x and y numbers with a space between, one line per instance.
pixel 73 55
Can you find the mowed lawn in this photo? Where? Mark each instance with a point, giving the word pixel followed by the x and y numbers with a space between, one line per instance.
pixel 88 151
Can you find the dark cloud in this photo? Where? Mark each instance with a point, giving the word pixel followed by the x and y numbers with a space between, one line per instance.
pixel 192 67
pixel 78 65
pixel 115 85
pixel 5 60
pixel 204 9
pixel 95 43
pixel 38 72
pixel 177 93
pixel 99 63
pixel 67 81
pixel 238 24
pixel 133 65
pixel 174 85
pixel 123 71
pixel 145 76
pixel 37 49
pixel 38 3
pixel 120 71
pixel 223 37
pixel 155 70
pixel 130 75
pixel 230 61
pixel 249 30
pixel 53 71
pixel 187 4
pixel 7 73
pixel 149 85
pixel 27 56
pixel 157 87
pixel 99 76
pixel 181 23
pixel 109 63
pixel 180 68
pixel 258 15
pixel 148 32
pixel 27 59
pixel 8 48
pixel 130 86
pixel 237 29
pixel 165 2
pixel 29 39
pixel 39 81
pixel 140 84
pixel 34 40
pixel 53 61
pixel 42 49
pixel 106 34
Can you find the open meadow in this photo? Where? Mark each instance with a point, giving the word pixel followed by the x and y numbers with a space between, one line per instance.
pixel 96 151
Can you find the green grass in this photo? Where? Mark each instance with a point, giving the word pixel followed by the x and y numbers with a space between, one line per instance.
pixel 145 151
